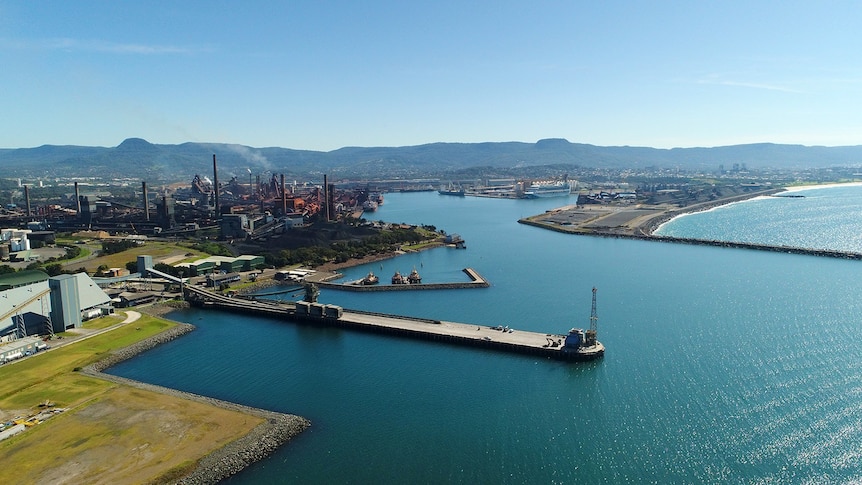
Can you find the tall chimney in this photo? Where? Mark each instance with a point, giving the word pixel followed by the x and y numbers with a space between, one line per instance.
pixel 27 198
pixel 146 201
pixel 283 197
pixel 259 193
pixel 325 198
pixel 215 185
pixel 78 199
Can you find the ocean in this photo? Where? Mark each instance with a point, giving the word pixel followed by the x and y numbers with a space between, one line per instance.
pixel 722 365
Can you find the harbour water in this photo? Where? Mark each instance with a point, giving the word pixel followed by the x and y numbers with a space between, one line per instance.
pixel 816 218
pixel 722 365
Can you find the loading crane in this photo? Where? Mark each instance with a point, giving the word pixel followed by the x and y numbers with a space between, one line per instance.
pixel 594 318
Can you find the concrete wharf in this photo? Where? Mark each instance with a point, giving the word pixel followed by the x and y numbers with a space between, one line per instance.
pixel 476 281
pixel 481 336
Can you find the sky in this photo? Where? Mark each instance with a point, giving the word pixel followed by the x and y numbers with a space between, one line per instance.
pixel 321 75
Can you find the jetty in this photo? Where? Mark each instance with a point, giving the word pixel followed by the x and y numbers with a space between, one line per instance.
pixel 498 337
pixel 476 281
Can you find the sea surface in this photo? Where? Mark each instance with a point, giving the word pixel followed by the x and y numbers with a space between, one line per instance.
pixel 722 365
pixel 816 218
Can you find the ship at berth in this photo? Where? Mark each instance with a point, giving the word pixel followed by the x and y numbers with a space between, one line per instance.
pixel 548 188
pixel 452 189
pixel 369 206
pixel 582 345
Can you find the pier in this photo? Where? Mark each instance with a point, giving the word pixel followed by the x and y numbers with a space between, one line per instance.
pixel 500 337
pixel 476 281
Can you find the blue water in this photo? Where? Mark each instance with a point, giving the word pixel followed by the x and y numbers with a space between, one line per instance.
pixel 825 218
pixel 722 365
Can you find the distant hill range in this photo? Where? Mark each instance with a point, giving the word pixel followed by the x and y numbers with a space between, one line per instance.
pixel 138 159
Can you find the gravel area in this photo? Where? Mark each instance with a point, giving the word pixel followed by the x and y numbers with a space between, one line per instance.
pixel 262 441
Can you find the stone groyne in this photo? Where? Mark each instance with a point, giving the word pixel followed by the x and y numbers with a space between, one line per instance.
pixel 645 230
pixel 262 441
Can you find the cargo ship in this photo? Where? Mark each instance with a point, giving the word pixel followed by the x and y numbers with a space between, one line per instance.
pixel 452 189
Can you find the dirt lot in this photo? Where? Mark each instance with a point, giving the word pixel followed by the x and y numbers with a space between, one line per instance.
pixel 625 219
pixel 43 255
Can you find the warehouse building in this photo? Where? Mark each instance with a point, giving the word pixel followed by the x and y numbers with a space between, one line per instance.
pixel 32 303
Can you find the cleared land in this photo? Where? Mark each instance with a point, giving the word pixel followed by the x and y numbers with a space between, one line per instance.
pixel 160 251
pixel 624 220
pixel 111 433
pixel 123 435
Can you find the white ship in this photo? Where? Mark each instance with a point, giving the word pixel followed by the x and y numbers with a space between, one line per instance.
pixel 369 206
pixel 552 188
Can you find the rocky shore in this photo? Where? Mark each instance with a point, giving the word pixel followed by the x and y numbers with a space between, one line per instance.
pixel 162 309
pixel 276 430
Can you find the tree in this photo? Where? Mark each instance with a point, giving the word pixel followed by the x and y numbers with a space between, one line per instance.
pixel 112 247
pixel 54 269
pixel 166 268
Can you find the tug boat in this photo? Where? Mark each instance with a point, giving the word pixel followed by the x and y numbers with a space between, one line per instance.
pixel 413 278
pixel 370 279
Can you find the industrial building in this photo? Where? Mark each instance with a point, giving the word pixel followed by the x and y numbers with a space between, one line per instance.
pixel 32 303
pixel 218 264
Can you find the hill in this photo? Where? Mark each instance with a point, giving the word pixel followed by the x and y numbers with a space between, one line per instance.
pixel 139 159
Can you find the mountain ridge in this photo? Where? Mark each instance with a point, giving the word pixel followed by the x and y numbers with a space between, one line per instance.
pixel 139 158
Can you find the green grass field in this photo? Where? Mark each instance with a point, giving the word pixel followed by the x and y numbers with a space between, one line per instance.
pixel 103 322
pixel 157 249
pixel 111 433
pixel 50 375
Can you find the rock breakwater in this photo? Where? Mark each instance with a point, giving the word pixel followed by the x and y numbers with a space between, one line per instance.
pixel 263 440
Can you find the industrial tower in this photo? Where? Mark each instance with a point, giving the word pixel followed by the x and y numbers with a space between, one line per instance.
pixel 590 339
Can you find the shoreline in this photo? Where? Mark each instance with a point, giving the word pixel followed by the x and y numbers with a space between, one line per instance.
pixel 652 225
pixel 276 430
pixel 798 188
pixel 350 263
pixel 628 224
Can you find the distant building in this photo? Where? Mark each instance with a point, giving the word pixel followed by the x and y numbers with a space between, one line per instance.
pixel 235 226
pixel 217 279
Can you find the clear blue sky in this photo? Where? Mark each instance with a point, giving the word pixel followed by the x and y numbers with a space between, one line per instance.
pixel 321 75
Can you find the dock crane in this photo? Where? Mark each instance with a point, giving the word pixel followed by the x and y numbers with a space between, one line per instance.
pixel 594 318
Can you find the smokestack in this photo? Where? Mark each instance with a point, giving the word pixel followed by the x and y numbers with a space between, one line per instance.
pixel 260 194
pixel 215 185
pixel 146 201
pixel 325 198
pixel 330 201
pixel 250 186
pixel 78 199
pixel 283 197
pixel 27 198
